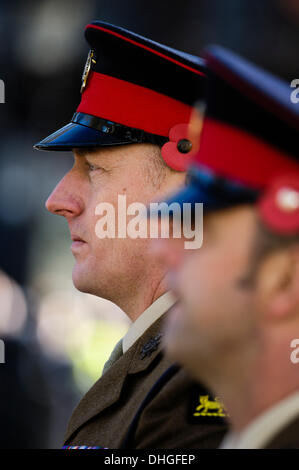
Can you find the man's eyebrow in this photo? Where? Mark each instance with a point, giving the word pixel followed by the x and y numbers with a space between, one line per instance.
pixel 84 151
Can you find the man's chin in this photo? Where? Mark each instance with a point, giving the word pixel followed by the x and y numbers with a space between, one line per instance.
pixel 81 280
pixel 89 281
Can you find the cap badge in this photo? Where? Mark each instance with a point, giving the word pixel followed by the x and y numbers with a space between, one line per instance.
pixel 90 59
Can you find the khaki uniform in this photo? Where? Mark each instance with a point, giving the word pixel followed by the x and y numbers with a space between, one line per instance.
pixel 119 398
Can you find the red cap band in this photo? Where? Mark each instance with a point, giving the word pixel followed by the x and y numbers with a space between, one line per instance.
pixel 238 155
pixel 131 105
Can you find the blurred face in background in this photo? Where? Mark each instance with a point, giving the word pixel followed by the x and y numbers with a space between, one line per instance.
pixel 214 318
pixel 108 267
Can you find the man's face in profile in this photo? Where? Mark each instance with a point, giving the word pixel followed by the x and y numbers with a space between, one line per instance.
pixel 106 267
pixel 100 177
pixel 215 313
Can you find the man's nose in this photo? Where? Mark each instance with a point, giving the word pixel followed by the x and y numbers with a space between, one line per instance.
pixel 64 199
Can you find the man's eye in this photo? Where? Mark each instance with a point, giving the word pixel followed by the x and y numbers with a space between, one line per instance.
pixel 92 167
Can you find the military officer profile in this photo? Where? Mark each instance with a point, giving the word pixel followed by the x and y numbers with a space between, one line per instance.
pixel 246 173
pixel 129 136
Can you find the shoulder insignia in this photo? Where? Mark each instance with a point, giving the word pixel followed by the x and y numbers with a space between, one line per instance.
pixel 209 407
pixel 204 408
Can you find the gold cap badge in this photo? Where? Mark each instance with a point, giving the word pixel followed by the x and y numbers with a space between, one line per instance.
pixel 90 59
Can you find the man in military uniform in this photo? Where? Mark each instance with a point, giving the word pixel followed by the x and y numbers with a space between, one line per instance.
pixel 129 137
pixel 238 318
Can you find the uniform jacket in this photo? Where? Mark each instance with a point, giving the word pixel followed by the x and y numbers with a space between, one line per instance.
pixel 286 438
pixel 144 402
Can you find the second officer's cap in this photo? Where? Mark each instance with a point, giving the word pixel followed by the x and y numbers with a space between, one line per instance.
pixel 249 143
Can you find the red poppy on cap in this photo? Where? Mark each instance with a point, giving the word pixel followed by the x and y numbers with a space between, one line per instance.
pixel 279 206
pixel 177 152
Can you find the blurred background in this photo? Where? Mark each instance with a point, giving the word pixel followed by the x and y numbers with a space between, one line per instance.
pixel 57 339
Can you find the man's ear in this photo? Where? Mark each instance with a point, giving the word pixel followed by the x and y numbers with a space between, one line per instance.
pixel 278 284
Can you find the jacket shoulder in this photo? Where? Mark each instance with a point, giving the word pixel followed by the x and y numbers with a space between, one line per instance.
pixel 177 412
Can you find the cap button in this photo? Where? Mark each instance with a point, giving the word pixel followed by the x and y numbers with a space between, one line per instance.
pixel 184 145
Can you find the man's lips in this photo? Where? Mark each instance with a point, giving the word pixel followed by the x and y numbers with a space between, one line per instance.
pixel 75 238
pixel 77 243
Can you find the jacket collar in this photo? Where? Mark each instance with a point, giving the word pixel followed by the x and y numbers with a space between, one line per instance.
pixel 148 318
pixel 138 358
